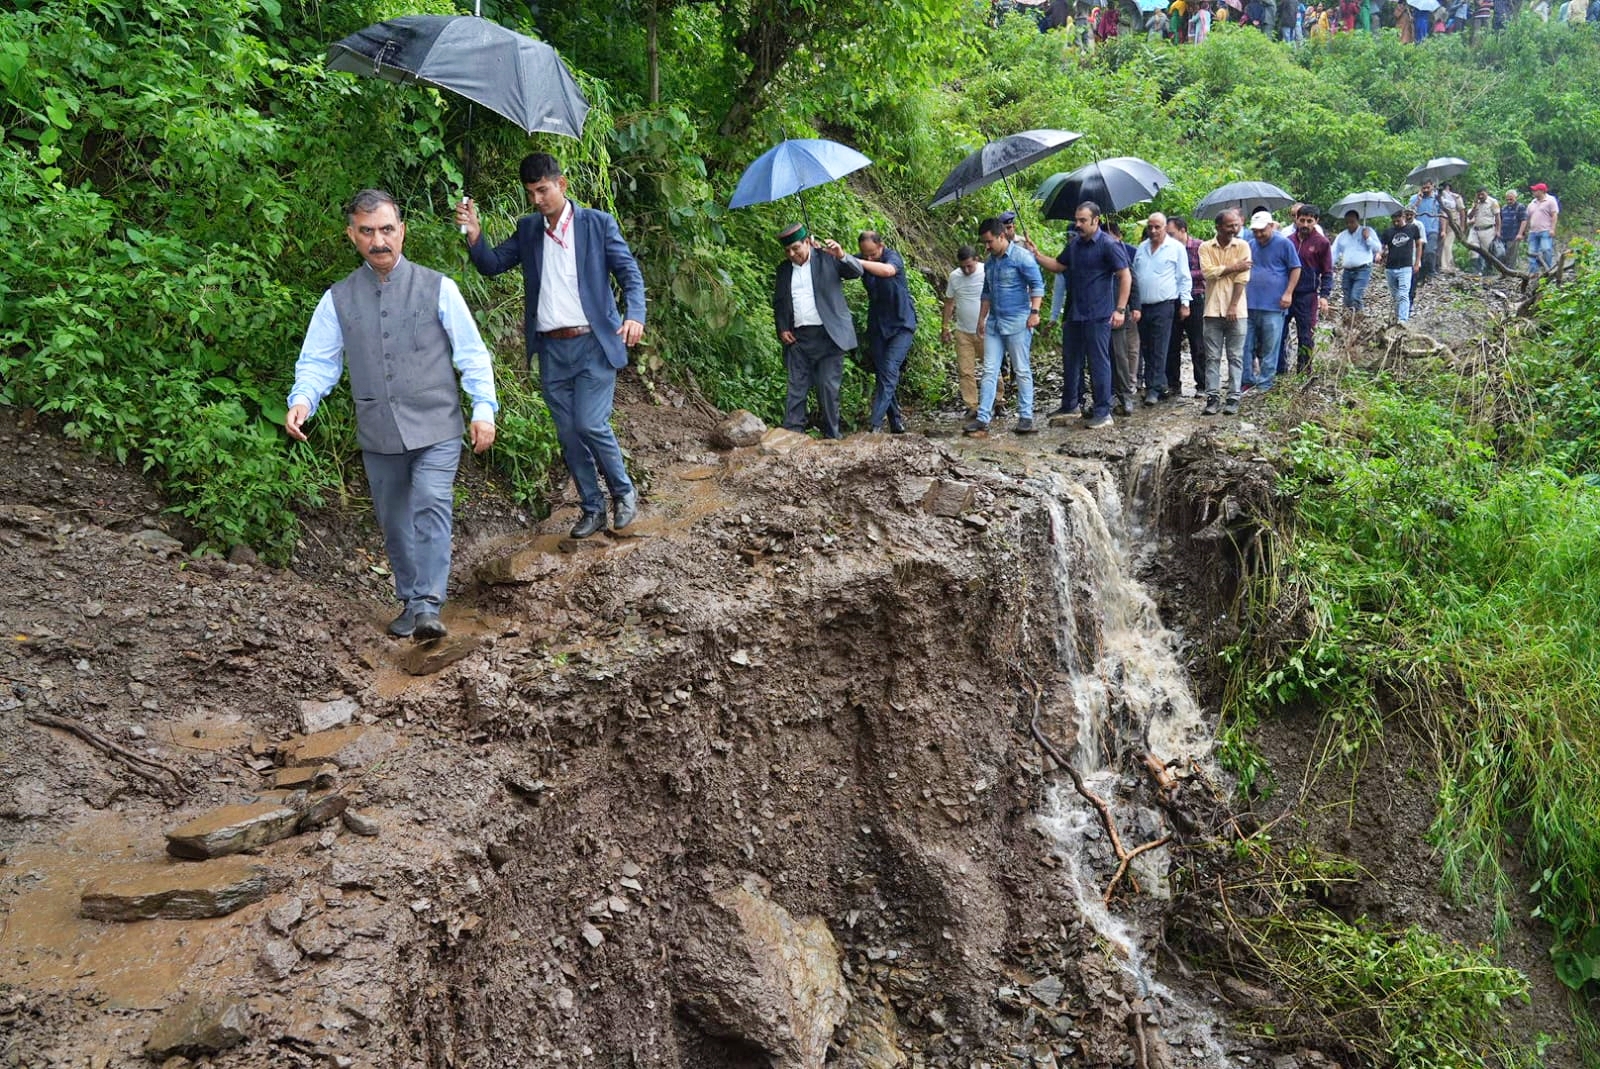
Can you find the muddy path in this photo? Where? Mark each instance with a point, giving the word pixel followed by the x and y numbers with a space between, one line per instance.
pixel 756 786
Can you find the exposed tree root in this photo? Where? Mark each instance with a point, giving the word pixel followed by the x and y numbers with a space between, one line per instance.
pixel 162 776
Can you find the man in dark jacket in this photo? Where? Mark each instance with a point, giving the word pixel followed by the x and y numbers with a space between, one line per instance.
pixel 891 325
pixel 813 323
pixel 568 255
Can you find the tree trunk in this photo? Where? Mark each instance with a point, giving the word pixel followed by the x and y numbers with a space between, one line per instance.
pixel 652 51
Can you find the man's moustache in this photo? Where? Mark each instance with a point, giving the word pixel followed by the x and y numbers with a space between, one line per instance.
pixel 379 251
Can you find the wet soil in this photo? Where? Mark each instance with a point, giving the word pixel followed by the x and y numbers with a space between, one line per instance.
pixel 792 673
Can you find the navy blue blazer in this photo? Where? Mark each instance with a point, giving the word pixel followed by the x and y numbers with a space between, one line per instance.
pixel 601 251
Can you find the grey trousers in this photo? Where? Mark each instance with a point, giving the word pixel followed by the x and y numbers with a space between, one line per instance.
pixel 1224 341
pixel 413 494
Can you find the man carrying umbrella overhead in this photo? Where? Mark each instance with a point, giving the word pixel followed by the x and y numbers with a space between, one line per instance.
pixel 813 323
pixel 568 254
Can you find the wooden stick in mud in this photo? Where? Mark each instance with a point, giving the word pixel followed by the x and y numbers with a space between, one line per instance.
pixel 143 767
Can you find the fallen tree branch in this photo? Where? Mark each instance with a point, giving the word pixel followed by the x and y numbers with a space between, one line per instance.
pixel 145 768
pixel 1102 807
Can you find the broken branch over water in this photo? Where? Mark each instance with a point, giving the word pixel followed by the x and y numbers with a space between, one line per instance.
pixel 1101 806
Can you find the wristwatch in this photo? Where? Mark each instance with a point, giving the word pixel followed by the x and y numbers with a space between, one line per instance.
pixel 1123 310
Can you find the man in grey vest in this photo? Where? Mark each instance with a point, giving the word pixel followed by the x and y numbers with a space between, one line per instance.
pixel 405 332
pixel 813 323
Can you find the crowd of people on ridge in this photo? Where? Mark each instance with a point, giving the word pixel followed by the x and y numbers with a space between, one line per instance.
pixel 1190 21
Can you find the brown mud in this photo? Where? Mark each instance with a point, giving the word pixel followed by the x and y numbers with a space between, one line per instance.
pixel 793 692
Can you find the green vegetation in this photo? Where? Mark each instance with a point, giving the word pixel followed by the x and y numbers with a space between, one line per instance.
pixel 1443 575
pixel 173 171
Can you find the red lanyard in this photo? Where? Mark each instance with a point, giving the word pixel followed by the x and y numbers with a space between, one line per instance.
pixel 566 224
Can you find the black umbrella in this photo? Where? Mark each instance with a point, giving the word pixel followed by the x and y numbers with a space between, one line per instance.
pixel 1001 159
pixel 1114 184
pixel 512 75
pixel 1241 196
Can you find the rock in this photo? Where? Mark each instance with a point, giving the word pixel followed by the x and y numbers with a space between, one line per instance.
pixel 592 935
pixel 242 554
pixel 283 917
pixel 746 968
pixel 306 778
pixel 867 1040
pixel 348 876
pixel 358 823
pixel 278 958
pixel 321 716
pixel 346 747
pixel 157 542
pixel 949 498
pixel 1047 991
pixel 198 1025
pixel 779 442
pixel 320 938
pixel 426 658
pixel 179 891
pixel 521 566
pixel 975 519
pixel 740 429
pixel 232 829
pixel 324 809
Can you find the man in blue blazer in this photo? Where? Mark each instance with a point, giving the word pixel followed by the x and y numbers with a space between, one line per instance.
pixel 813 323
pixel 573 327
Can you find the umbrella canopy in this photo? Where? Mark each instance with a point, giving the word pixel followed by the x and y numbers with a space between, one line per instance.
pixel 1000 159
pixel 1241 196
pixel 1367 205
pixel 793 166
pixel 1423 5
pixel 511 75
pixel 1113 184
pixel 1440 166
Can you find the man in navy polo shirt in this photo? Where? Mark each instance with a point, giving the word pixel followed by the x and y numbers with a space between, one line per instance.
pixel 1098 281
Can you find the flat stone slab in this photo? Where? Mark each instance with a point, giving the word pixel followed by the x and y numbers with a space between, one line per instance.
pixel 306 777
pixel 347 747
pixel 232 829
pixel 322 716
pixel 179 891
pixel 522 566
pixel 426 658
pixel 949 498
pixel 779 441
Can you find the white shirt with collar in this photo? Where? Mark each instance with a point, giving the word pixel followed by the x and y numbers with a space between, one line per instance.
pixel 559 303
pixel 803 295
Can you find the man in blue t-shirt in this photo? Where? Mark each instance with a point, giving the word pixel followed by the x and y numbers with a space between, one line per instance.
pixel 1513 225
pixel 1274 272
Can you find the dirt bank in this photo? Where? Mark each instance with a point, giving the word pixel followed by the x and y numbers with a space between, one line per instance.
pixel 759 775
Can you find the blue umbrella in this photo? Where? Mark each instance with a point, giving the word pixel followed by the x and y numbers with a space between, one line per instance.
pixel 792 167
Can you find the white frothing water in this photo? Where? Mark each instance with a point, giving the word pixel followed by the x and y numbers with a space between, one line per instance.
pixel 1129 695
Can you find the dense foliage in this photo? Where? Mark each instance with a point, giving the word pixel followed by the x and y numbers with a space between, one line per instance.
pixel 173 170
pixel 1444 575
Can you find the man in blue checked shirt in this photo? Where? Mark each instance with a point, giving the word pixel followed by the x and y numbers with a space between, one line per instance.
pixel 1008 314
pixel 405 334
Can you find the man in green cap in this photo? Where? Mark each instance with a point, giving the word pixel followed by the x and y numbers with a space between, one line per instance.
pixel 813 323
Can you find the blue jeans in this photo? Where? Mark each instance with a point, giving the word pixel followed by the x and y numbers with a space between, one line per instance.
pixel 413 493
pixel 1541 250
pixel 1353 284
pixel 1266 335
pixel 995 348
pixel 1399 279
pixel 1086 343
pixel 888 357
pixel 578 383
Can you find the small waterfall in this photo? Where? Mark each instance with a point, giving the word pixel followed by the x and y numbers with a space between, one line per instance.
pixel 1129 696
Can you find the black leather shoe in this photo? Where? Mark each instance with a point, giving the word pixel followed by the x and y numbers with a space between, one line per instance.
pixel 402 626
pixel 429 627
pixel 624 509
pixel 588 524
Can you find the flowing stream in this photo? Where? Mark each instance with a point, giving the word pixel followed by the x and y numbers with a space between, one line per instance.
pixel 1129 695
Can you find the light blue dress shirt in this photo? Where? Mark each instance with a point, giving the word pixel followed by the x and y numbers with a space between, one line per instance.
pixel 1163 272
pixel 321 362
pixel 1358 249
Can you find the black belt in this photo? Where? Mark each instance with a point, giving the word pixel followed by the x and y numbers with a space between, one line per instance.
pixel 564 332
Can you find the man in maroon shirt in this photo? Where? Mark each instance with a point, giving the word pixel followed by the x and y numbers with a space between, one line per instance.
pixel 1311 293
pixel 1194 327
